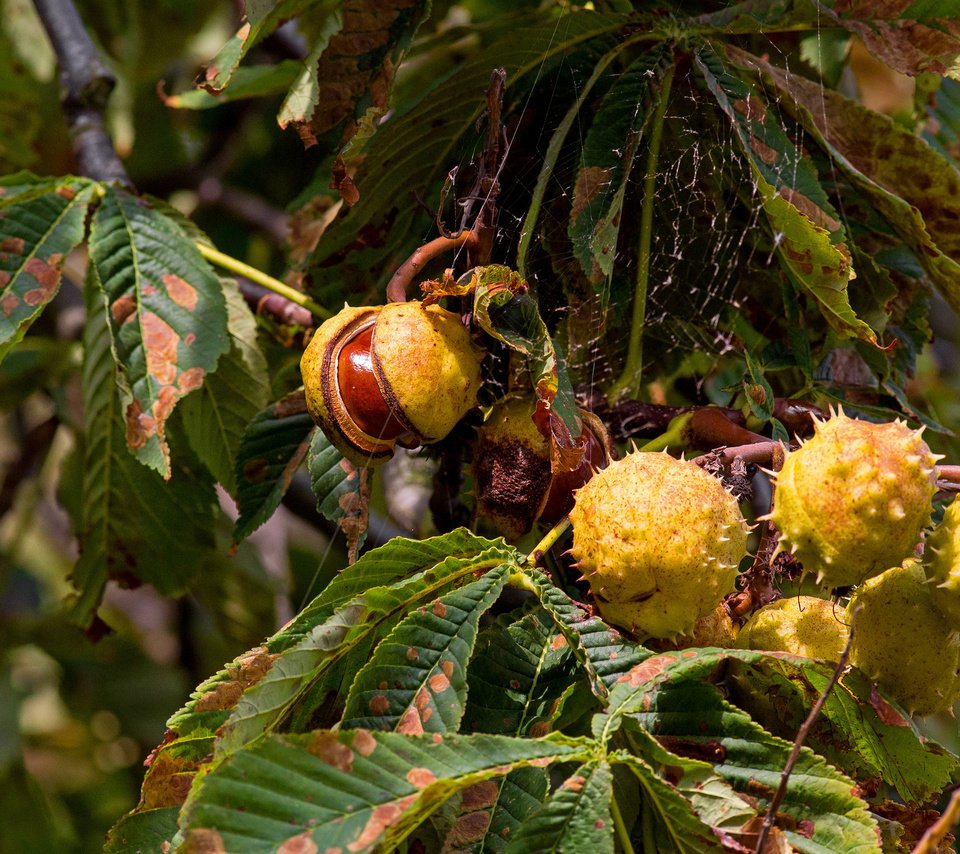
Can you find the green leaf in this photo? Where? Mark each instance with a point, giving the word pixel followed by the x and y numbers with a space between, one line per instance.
pixel 575 818
pixel 256 81
pixel 132 523
pixel 517 676
pixel 601 650
pixel 392 563
pixel 270 452
pixel 168 316
pixel 41 221
pixel 304 90
pixel 412 154
pixel 757 390
pixel 364 618
pixel 142 832
pixel 606 163
pixel 216 416
pixel 423 663
pixel 857 730
pixel 492 812
pixel 909 184
pixel 340 489
pixel 693 718
pixel 260 19
pixel 353 790
pixel 808 235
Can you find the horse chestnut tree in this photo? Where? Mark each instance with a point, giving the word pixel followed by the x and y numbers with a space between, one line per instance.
pixel 598 371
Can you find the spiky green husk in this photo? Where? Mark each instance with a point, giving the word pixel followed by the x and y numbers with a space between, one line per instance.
pixel 904 642
pixel 854 499
pixel 941 561
pixel 802 625
pixel 659 540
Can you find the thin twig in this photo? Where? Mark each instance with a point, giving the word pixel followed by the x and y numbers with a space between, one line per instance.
pixel 85 84
pixel 771 815
pixel 760 453
pixel 548 542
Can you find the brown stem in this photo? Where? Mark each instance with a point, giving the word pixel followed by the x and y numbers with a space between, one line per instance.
pixel 487 187
pixel 769 818
pixel 85 84
pixel 760 453
pixel 399 285
pixel 710 428
pixel 951 474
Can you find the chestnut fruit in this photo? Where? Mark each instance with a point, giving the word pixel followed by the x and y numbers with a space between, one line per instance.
pixel 513 471
pixel 380 376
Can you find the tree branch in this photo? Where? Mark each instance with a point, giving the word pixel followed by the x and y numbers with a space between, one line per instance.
pixel 85 86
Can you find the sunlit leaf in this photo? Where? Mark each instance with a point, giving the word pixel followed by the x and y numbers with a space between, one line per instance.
pixel 168 316
pixel 353 790
pixel 423 664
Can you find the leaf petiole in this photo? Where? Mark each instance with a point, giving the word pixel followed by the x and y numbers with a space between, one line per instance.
pixel 214 256
pixel 629 383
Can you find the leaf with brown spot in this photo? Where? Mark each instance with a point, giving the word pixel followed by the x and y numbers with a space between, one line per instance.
pixel 342 492
pixel 910 184
pixel 428 692
pixel 146 261
pixel 41 222
pixel 574 818
pixel 374 805
pixel 127 512
pixel 271 450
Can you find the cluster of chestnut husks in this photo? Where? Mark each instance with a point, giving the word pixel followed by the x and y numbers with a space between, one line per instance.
pixel 380 376
pixel 516 481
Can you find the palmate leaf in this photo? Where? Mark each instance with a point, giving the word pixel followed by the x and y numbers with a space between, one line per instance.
pixel 338 630
pixel 809 235
pixel 216 416
pixel 575 818
pixel 413 154
pixel 168 316
pixel 601 650
pixel 271 450
pixel 339 488
pixel 416 680
pixel 688 717
pixel 909 183
pixel 606 163
pixel 133 524
pixel 517 676
pixel 41 221
pixel 354 790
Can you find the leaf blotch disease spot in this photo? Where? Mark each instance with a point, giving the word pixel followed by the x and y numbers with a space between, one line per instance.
pixel 480 795
pixel 123 309
pixel 204 841
pixel 469 828
pixel 363 742
pixel 421 777
pixel 574 783
pixel 412 654
pixel 327 747
pixel 160 343
pixel 302 843
pixel 13 245
pixel 181 291
pixel 648 670
pixel 379 704
pixel 439 683
pixel 254 471
pixel 439 609
pixel 410 722
pixel 246 671
pixel 9 303
pixel 47 275
pixel 381 818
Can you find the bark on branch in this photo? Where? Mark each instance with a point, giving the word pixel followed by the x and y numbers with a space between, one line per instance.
pixel 85 86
